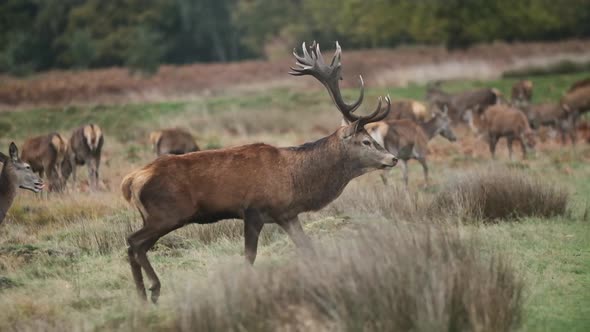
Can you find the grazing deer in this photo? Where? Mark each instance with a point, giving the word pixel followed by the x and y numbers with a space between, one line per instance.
pixel 46 154
pixel 506 121
pixel 577 100
pixel 172 141
pixel 522 93
pixel 258 183
pixel 579 84
pixel 552 115
pixel 409 140
pixel 459 103
pixel 85 148
pixel 15 174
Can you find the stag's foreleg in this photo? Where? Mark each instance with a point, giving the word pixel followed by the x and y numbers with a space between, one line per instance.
pixel 295 231
pixel 253 224
pixel 422 161
pixel 509 141
pixel 405 173
pixel 493 141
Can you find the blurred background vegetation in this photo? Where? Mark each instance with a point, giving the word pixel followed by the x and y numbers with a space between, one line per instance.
pixel 37 35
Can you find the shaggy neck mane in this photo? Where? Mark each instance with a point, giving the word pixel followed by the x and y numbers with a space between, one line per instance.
pixel 7 189
pixel 321 170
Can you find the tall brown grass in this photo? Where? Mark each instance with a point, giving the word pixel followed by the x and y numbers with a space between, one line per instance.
pixel 385 278
pixel 497 192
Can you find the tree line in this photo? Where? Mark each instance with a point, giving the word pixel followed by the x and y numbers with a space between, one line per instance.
pixel 38 35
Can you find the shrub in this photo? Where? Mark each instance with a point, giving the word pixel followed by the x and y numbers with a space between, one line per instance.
pixel 499 193
pixel 385 278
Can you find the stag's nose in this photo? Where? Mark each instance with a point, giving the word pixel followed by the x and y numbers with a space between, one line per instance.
pixel 389 161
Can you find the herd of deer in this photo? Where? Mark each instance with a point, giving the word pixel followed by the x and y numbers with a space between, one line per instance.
pixel 262 184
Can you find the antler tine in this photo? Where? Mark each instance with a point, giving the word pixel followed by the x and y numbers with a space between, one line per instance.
pixel 377 115
pixel 312 63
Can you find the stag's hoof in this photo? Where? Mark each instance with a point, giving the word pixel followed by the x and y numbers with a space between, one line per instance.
pixel 155 289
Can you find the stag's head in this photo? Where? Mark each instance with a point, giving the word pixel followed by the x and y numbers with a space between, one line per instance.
pixel 24 176
pixel 356 143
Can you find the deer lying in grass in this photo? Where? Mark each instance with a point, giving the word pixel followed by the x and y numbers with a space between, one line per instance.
pixel 522 93
pixel 46 154
pixel 15 174
pixel 505 121
pixel 409 140
pixel 172 141
pixel 258 183
pixel 85 148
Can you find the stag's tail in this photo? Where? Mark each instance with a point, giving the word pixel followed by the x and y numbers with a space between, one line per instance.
pixel 131 187
pixel 60 146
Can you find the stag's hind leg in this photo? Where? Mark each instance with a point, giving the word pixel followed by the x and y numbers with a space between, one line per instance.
pixel 140 242
pixel 422 162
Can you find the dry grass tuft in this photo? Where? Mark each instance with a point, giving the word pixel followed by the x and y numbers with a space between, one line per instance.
pixel 384 278
pixel 495 193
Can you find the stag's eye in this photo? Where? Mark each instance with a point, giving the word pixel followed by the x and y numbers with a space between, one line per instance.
pixel 27 167
pixel 367 142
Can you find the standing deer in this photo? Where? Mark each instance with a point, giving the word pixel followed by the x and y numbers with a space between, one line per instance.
pixel 522 93
pixel 409 140
pixel 459 103
pixel 553 115
pixel 45 154
pixel 172 141
pixel 15 174
pixel 85 148
pixel 258 183
pixel 505 121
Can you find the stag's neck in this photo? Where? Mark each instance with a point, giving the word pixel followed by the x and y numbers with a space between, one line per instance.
pixel 7 190
pixel 321 170
pixel 430 128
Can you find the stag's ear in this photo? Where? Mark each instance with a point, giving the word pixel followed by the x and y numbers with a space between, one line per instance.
pixel 350 129
pixel 13 151
pixel 3 158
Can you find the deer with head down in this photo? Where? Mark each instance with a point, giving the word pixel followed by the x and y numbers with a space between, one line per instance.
pixel 458 104
pixel 46 154
pixel 505 121
pixel 257 183
pixel 408 139
pixel 15 174
pixel 172 141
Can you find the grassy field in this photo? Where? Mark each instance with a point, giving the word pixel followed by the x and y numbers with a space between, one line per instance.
pixel 63 259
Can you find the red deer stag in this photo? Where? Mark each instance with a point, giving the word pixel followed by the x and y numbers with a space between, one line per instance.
pixel 172 141
pixel 409 140
pixel 505 121
pixel 85 148
pixel 46 154
pixel 522 93
pixel 258 183
pixel 15 174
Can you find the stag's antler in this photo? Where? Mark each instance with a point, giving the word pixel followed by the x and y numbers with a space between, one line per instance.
pixel 312 63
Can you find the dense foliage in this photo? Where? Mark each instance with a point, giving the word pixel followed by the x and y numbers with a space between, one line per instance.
pixel 140 34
